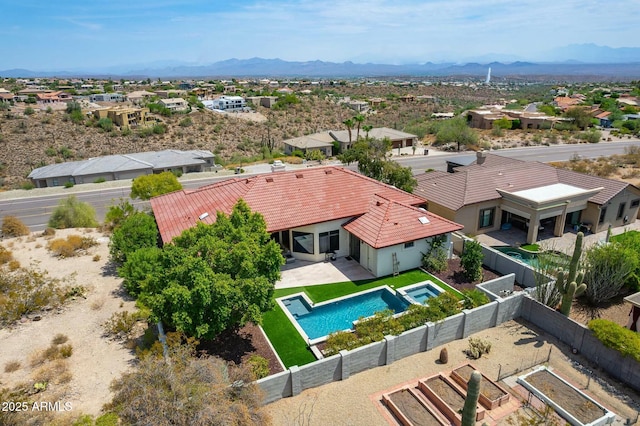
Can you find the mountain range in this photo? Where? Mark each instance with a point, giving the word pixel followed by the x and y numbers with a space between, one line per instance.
pixel 587 61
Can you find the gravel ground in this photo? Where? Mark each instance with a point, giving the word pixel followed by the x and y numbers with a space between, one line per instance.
pixel 354 401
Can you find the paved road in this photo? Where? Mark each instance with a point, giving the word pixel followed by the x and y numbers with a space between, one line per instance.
pixel 34 210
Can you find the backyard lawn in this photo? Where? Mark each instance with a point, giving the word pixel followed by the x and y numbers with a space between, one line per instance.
pixel 291 347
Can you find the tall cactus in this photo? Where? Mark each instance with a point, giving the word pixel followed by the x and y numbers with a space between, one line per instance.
pixel 471 401
pixel 567 282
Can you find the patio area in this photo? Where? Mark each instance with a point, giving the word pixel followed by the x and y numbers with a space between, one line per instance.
pixel 516 237
pixel 302 273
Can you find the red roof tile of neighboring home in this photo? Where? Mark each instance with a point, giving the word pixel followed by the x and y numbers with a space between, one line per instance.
pixel 388 222
pixel 604 114
pixel 478 182
pixel 285 199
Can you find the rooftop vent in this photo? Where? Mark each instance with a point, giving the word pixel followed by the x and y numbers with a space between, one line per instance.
pixel 378 203
pixel 328 172
pixel 269 179
pixel 299 175
pixel 203 216
pixel 423 220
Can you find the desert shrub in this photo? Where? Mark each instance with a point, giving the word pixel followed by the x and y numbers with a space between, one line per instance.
pixel 59 339
pixel 27 186
pixel 616 337
pixel 474 298
pixel 49 232
pixel 100 180
pixel 340 340
pixel 73 245
pixel 147 186
pixel 24 291
pixel 117 213
pixel 55 372
pixel 373 329
pixel 609 268
pixel 185 389
pixel 120 324
pixel 5 255
pixel 72 213
pixel 435 259
pixel 259 366
pixel 53 352
pixel 14 227
pixel 477 347
pixel 11 366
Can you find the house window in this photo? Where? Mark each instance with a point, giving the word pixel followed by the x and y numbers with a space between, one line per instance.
pixel 621 210
pixel 486 218
pixel 603 213
pixel 635 203
pixel 329 241
pixel 303 242
pixel 409 245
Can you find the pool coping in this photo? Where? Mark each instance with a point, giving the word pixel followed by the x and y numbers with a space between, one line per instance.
pixel 312 305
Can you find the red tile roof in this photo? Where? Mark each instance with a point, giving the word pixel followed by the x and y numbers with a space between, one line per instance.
pixel 285 199
pixel 389 223
pixel 479 182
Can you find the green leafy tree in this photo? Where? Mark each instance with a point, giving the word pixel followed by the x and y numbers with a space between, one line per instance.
pixel 471 261
pixel 581 117
pixel 212 277
pixel 455 131
pixel 148 186
pixel 72 213
pixel 117 213
pixel 138 230
pixel 349 123
pixel 370 154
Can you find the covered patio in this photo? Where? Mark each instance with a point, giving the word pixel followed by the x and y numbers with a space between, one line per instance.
pixel 304 273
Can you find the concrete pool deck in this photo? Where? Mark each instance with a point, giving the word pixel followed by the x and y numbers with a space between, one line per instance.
pixel 302 273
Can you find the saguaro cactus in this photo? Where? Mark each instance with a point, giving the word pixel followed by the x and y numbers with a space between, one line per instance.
pixel 570 284
pixel 471 401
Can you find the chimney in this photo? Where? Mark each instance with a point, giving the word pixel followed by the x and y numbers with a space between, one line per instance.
pixel 481 156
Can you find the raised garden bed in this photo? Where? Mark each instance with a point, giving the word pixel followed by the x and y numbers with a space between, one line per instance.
pixel 570 403
pixel 410 409
pixel 491 394
pixel 447 398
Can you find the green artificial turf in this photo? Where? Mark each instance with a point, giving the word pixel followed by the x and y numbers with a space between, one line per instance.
pixel 284 337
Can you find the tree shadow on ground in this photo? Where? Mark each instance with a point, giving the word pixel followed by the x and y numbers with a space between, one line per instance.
pixel 230 345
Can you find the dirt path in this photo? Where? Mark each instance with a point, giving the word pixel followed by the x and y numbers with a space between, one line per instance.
pixel 96 360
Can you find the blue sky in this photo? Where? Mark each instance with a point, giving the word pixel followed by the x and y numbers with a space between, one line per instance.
pixel 71 34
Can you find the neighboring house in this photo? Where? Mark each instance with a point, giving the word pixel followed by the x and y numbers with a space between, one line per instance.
pixel 313 213
pixel 604 118
pixel 496 192
pixel 634 314
pixel 118 167
pixel 265 101
pixel 123 116
pixel 320 141
pixel 175 104
pixel 228 103
pixel 107 97
pixel 139 96
pixel 398 139
pixel 485 118
pixel 171 93
pixel 52 97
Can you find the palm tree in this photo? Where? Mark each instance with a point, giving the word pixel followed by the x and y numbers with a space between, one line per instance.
pixel 349 123
pixel 367 128
pixel 359 119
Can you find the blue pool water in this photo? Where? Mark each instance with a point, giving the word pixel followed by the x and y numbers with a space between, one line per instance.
pixel 335 316
pixel 424 292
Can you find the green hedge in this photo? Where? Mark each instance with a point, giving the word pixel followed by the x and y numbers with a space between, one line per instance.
pixel 617 337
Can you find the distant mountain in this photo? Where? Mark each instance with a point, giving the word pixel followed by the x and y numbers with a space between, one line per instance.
pixel 259 67
pixel 594 54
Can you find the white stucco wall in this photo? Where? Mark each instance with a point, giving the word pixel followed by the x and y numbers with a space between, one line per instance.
pixel 316 230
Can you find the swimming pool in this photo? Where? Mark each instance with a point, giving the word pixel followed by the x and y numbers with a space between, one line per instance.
pixel 419 293
pixel 518 254
pixel 316 321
